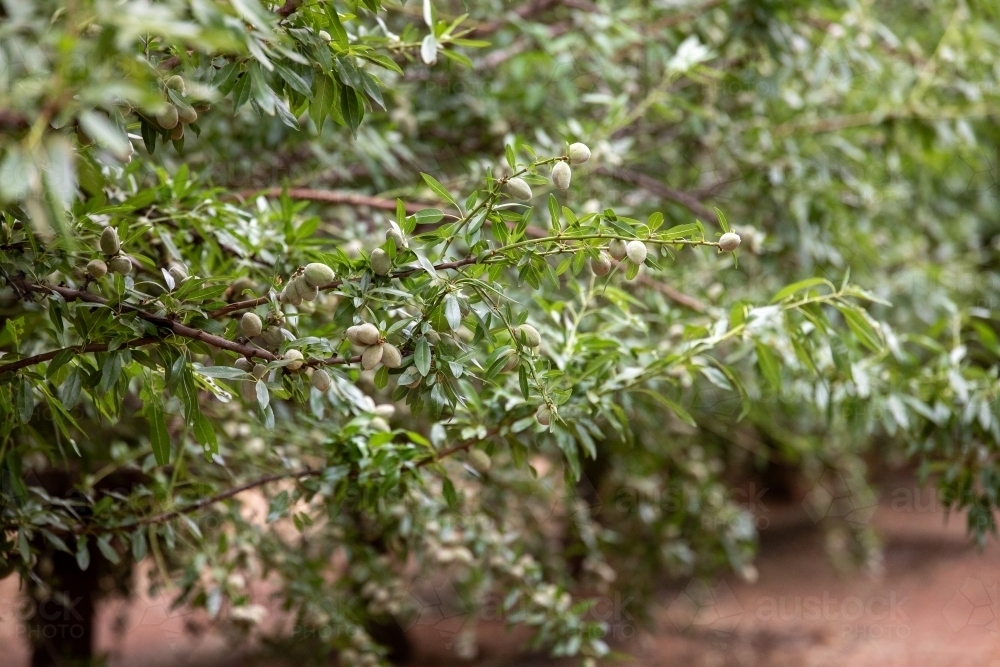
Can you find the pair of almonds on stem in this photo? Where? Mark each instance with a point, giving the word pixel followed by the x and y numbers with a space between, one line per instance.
pixel 376 349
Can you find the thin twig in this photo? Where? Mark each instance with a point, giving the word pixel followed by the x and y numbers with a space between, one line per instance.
pixel 92 347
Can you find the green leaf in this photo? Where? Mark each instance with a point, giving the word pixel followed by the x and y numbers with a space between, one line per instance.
pixel 450 496
pixel 337 31
pixel 205 434
pixel 422 356
pixel 671 405
pixel 452 312
pixel 858 322
pixel 25 400
pixel 439 189
pixel 82 553
pixel 768 365
pixel 104 545
pixel 159 438
pixel 799 286
pixel 138 545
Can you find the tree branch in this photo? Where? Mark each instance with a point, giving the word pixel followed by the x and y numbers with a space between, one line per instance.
pixel 71 294
pixel 92 347
pixel 657 188
pixel 301 474
pixel 334 197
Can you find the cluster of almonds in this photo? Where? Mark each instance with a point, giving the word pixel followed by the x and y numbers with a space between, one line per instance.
pixel 561 173
pixel 376 350
pixel 117 263
pixel 175 116
pixel 305 286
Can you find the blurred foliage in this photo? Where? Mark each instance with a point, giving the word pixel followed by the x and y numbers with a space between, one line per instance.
pixel 850 144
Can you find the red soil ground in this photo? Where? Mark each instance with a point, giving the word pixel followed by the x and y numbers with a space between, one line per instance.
pixel 935 605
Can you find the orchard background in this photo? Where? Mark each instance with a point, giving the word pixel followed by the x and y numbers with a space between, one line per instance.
pixel 508 296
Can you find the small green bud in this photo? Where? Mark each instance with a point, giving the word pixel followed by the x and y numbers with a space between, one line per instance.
pixel 601 265
pixel 97 268
pixel 618 249
pixel 120 265
pixel 529 335
pixel 380 262
pixel 251 325
pixel 321 380
pixel 561 175
pixel 636 252
pixel 578 153
pixel 729 242
pixel 519 189
pixel 296 358
pixel 318 274
pixel 110 245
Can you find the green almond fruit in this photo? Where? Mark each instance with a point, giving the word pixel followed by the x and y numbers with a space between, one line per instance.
pixel 529 335
pixel 168 118
pixel 636 252
pixel 187 115
pixel 391 358
pixel 321 380
pixel 561 175
pixel 578 153
pixel 251 324
pixel 368 334
pixel 110 245
pixel 618 249
pixel 297 360
pixel 243 364
pixel 97 268
pixel 371 357
pixel 318 274
pixel 259 371
pixel 601 265
pixel 176 82
pixel 120 265
pixel 729 242
pixel 273 337
pixel 380 262
pixel 177 133
pixel 543 415
pixel 519 188
pixel 480 461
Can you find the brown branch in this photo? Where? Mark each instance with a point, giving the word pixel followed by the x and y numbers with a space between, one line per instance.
pixel 301 474
pixel 92 347
pixel 655 187
pixel 71 294
pixel 229 493
pixel 530 9
pixel 673 294
pixel 334 197
pixel 289 8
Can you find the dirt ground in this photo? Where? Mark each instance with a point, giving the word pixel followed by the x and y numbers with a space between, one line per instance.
pixel 935 605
